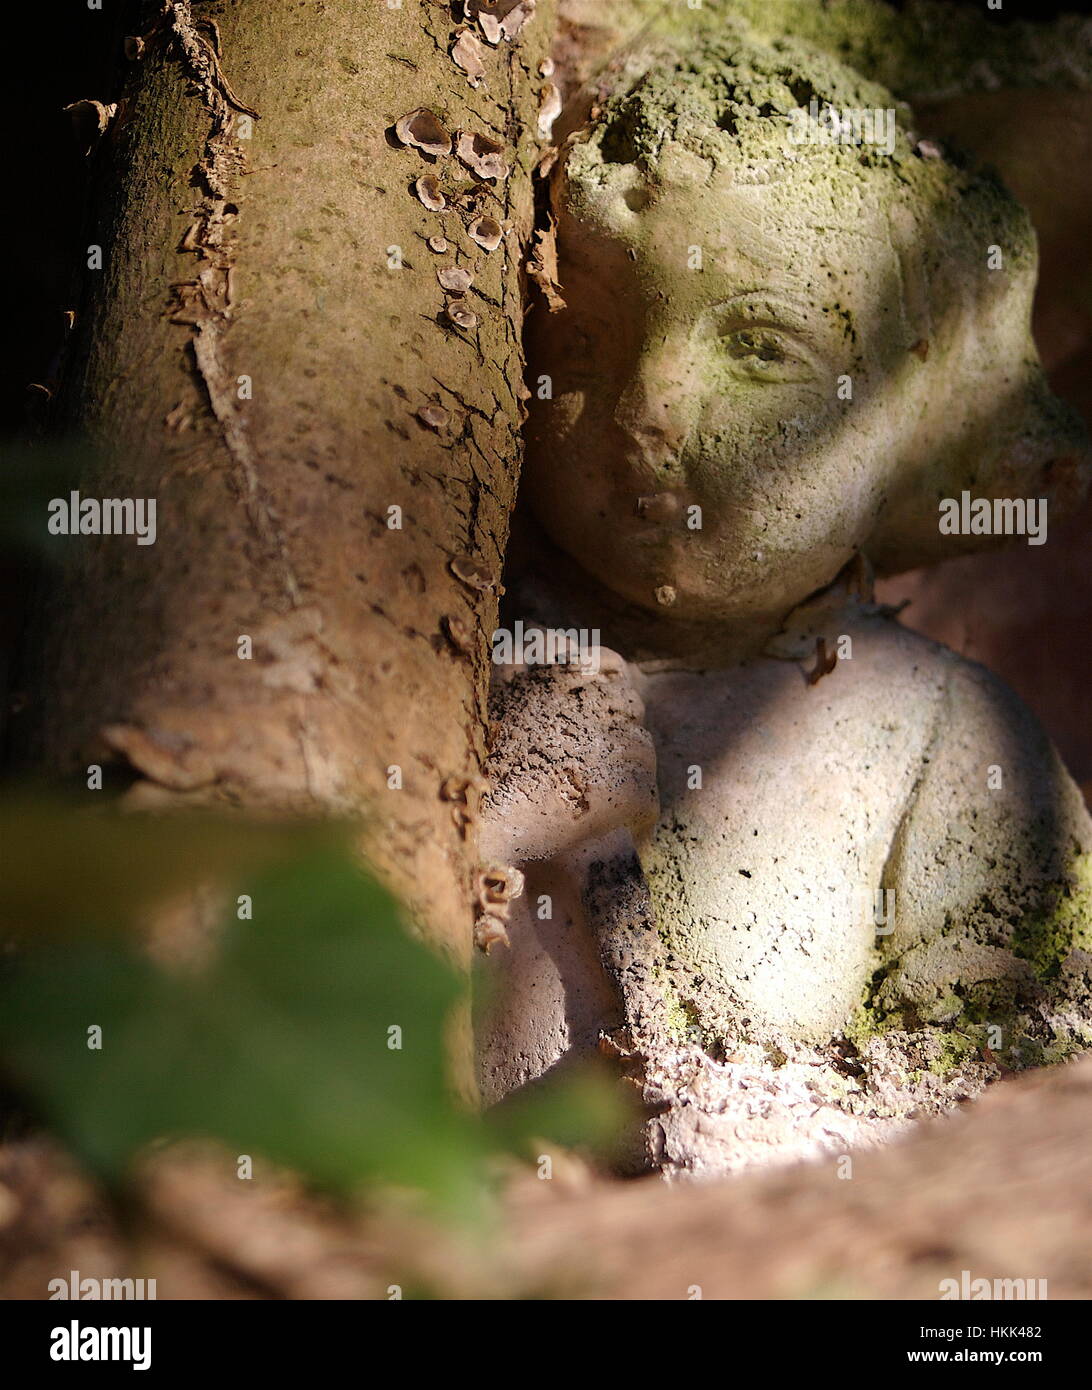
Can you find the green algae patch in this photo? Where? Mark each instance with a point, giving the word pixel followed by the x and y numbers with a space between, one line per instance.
pixel 966 1017
pixel 953 1051
pixel 1045 939
pixel 737 101
pixel 873 1020
pixel 682 1019
pixel 728 94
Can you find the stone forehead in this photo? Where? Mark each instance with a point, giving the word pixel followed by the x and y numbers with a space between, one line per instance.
pixel 729 95
pixel 792 227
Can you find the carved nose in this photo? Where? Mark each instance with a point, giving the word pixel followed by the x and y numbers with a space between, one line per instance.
pixel 659 407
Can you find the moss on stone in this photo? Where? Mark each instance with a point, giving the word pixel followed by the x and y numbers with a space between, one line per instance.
pixel 946 1008
pixel 1045 939
pixel 872 1020
pixel 728 96
pixel 678 1021
pixel 959 1023
pixel 953 1050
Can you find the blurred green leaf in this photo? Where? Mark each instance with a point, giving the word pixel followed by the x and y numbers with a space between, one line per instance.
pixel 69 869
pixel 585 1108
pixel 281 1048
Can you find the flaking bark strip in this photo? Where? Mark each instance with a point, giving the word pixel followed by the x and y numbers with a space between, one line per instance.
pixel 207 302
pixel 203 60
pixel 221 393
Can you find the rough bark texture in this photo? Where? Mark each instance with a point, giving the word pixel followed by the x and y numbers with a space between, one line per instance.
pixel 261 248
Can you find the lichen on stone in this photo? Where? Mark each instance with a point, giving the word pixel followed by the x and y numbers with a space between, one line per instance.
pixel 1045 939
pixel 733 99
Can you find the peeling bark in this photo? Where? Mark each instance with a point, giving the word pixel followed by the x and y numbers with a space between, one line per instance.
pixel 267 351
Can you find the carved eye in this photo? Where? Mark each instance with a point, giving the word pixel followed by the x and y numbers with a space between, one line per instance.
pixel 767 354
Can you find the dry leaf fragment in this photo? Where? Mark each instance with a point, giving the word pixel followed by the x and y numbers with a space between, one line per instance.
pixel 467 53
pixel 824 662
pixel 481 155
pixel 542 267
pixel 428 190
pixel 455 279
pixel 487 232
pixel 423 130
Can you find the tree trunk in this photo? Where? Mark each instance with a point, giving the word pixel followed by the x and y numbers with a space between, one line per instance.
pixel 270 356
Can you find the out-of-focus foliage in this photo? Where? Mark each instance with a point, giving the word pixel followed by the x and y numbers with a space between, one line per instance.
pixel 315 1035
pixel 71 872
pixel 31 476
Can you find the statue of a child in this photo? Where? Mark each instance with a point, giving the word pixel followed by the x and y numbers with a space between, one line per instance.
pixel 805 874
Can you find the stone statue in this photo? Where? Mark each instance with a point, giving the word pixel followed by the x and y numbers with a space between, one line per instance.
pixel 803 874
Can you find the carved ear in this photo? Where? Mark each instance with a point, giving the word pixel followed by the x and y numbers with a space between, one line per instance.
pixel 985 420
pixel 908 237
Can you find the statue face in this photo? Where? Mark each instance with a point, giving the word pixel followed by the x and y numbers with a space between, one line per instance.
pixel 754 380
